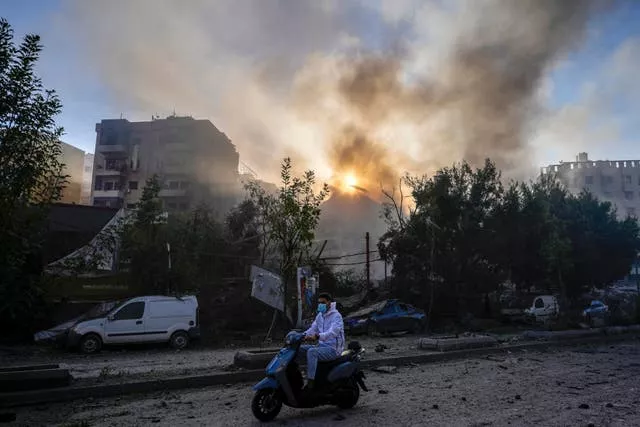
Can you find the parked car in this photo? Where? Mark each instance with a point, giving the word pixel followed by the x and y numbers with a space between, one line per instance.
pixel 385 317
pixel 58 334
pixel 148 319
pixel 597 309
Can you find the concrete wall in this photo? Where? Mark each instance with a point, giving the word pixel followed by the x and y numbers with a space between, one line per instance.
pixel 87 178
pixel 73 159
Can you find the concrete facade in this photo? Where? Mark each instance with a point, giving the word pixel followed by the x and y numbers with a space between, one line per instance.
pixel 615 181
pixel 87 179
pixel 73 160
pixel 193 159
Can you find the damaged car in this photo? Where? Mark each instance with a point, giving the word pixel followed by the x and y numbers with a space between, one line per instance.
pixel 58 334
pixel 385 317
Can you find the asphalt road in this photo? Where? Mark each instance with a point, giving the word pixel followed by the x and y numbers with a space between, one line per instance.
pixel 161 361
pixel 583 386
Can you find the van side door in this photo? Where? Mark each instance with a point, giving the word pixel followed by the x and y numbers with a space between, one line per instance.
pixel 166 317
pixel 126 325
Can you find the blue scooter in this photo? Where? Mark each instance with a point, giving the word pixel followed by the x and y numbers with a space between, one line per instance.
pixel 338 382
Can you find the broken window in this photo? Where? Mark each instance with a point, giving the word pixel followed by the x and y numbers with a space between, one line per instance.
pixel 627 179
pixel 588 180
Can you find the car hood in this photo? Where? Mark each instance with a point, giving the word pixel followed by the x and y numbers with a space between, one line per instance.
pixel 55 331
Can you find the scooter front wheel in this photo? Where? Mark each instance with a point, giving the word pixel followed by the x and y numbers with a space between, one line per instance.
pixel 266 404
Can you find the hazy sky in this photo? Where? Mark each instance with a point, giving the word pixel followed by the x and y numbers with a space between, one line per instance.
pixel 249 65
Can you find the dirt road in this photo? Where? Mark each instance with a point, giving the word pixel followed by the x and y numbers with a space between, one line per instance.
pixel 584 386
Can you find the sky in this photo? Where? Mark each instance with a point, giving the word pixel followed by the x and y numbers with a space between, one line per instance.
pixel 261 71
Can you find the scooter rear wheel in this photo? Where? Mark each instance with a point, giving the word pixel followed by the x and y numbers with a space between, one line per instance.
pixel 349 397
pixel 266 404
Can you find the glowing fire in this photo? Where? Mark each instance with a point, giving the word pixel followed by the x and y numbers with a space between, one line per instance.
pixel 348 183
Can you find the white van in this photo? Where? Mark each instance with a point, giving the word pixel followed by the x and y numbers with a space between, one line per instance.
pixel 147 319
pixel 545 309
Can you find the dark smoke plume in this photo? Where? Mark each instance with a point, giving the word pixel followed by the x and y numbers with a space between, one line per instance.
pixel 481 102
pixel 280 76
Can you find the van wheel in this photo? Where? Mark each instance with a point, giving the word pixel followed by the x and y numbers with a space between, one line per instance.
pixel 179 340
pixel 90 343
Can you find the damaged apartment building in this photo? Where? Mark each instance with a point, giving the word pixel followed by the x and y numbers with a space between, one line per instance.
pixel 615 181
pixel 194 161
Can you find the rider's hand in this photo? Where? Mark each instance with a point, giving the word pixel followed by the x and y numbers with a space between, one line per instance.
pixel 311 338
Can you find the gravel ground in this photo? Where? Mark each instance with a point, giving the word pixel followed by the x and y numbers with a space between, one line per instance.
pixel 582 386
pixel 134 363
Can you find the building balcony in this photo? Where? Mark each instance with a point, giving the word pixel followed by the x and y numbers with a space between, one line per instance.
pixel 101 171
pixel 111 148
pixel 112 194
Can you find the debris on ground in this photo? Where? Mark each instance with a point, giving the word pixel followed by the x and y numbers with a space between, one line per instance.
pixel 380 348
pixel 386 369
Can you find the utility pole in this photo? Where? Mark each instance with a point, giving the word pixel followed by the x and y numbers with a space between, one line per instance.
pixel 366 237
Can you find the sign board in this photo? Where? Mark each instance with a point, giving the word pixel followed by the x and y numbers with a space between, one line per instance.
pixel 267 287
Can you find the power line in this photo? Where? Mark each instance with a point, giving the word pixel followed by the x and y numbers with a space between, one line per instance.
pixel 354 263
pixel 348 255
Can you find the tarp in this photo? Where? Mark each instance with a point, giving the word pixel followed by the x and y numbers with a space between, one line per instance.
pixel 94 250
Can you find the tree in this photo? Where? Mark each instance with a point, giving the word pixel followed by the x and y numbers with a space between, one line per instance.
pixel 466 235
pixel 287 221
pixel 30 175
pixel 446 235
pixel 144 252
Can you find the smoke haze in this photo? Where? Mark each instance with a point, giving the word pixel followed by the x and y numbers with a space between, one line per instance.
pixel 341 86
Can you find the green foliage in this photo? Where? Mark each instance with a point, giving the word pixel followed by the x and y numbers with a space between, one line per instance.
pixel 144 240
pixel 287 220
pixel 466 234
pixel 30 175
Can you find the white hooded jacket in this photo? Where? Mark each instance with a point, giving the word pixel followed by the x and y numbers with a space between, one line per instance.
pixel 330 329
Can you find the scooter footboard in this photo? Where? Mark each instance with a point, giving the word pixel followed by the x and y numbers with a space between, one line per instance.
pixel 266 382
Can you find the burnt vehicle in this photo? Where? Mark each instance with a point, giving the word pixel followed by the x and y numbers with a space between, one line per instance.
pixel 385 317
pixel 58 334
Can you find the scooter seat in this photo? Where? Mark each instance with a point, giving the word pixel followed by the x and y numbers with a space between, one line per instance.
pixel 335 362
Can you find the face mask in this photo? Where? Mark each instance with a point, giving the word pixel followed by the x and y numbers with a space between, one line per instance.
pixel 322 308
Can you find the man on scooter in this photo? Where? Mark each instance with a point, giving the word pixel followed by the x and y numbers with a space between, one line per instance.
pixel 328 329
